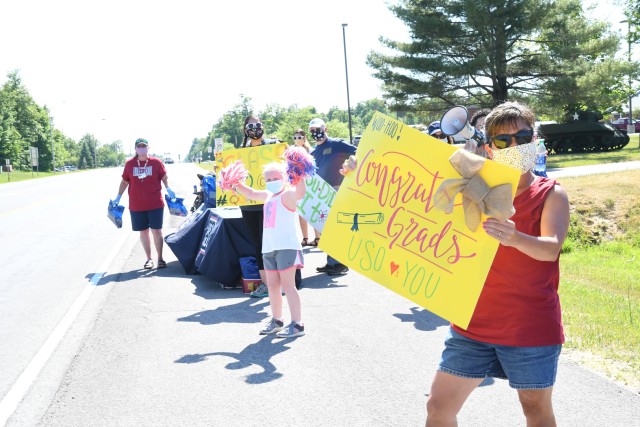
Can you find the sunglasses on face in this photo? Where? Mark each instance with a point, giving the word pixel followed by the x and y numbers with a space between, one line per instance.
pixel 440 136
pixel 501 141
pixel 252 126
pixel 298 137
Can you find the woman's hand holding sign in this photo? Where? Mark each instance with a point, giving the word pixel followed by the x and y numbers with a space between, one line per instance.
pixel 503 231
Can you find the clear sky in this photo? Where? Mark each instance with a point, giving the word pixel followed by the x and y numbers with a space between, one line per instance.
pixel 167 70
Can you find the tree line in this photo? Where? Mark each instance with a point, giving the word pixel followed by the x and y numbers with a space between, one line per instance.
pixel 25 124
pixel 281 123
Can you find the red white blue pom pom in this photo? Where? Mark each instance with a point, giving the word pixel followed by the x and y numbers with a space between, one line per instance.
pixel 300 164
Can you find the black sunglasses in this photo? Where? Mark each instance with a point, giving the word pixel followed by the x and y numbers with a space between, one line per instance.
pixel 298 137
pixel 440 136
pixel 251 126
pixel 501 141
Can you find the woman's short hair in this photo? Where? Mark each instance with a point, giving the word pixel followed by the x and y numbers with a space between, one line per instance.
pixel 507 114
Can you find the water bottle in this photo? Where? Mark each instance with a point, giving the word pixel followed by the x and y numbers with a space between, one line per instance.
pixel 540 167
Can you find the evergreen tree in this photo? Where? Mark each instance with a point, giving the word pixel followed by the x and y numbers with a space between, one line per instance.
pixel 485 52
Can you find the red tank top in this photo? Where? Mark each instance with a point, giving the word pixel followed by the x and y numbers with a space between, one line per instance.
pixel 519 304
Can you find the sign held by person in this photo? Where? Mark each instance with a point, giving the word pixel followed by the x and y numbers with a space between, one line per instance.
pixel 253 158
pixel 384 222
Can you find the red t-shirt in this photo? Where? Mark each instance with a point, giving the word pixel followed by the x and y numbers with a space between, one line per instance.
pixel 519 304
pixel 145 183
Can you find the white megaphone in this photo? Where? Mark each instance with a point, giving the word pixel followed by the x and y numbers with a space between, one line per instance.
pixel 455 121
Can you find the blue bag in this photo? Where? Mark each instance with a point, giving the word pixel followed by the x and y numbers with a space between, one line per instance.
pixel 114 213
pixel 249 267
pixel 209 190
pixel 176 206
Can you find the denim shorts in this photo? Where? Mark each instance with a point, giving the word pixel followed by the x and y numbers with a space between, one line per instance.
pixel 141 220
pixel 524 367
pixel 282 259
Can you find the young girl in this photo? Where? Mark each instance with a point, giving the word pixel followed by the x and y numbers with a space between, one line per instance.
pixel 281 250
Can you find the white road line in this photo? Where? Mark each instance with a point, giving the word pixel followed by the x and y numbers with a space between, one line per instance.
pixel 10 402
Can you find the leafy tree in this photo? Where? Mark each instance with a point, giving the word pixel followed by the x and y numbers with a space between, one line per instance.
pixel 24 124
pixel 88 155
pixel 272 117
pixel 632 12
pixel 70 154
pixel 294 119
pixel 231 124
pixel 282 122
pixel 110 155
pixel 484 52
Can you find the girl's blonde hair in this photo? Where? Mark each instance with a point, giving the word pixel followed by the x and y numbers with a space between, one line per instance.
pixel 275 167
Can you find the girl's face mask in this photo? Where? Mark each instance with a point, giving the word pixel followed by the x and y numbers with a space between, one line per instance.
pixel 275 186
pixel 521 157
pixel 254 133
pixel 142 151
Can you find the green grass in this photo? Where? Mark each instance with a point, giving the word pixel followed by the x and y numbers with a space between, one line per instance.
pixel 629 153
pixel 16 176
pixel 600 294
pixel 600 278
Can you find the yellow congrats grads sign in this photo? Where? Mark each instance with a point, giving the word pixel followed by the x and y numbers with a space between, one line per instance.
pixel 253 158
pixel 383 222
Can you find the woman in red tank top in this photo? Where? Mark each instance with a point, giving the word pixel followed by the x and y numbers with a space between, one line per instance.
pixel 516 329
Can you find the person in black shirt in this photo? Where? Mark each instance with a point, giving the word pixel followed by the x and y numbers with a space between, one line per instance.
pixel 329 155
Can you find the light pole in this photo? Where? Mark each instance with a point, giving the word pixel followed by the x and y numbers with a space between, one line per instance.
pixel 631 127
pixel 53 153
pixel 346 72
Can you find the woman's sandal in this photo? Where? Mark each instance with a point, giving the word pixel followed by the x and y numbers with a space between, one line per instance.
pixel 162 263
pixel 149 264
pixel 315 242
pixel 305 241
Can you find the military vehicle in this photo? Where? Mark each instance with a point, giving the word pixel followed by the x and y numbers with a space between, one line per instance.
pixel 582 131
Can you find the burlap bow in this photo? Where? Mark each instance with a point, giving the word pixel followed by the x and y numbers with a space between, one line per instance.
pixel 477 196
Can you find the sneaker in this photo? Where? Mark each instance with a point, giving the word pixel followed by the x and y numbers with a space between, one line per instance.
pixel 272 325
pixel 324 268
pixel 260 292
pixel 291 331
pixel 337 269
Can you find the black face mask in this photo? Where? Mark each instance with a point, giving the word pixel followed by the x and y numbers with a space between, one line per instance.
pixel 254 134
pixel 318 135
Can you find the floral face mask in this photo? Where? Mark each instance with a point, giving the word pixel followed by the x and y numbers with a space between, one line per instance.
pixel 521 157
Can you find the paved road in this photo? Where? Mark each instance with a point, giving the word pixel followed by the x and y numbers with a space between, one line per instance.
pixel 593 169
pixel 162 348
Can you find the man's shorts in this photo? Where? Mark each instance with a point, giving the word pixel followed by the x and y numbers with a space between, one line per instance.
pixel 147 219
pixel 524 367
pixel 282 259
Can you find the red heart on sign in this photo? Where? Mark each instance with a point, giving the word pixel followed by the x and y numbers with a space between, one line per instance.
pixel 394 267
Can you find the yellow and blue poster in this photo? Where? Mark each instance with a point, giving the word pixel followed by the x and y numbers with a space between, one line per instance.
pixel 384 224
pixel 253 158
